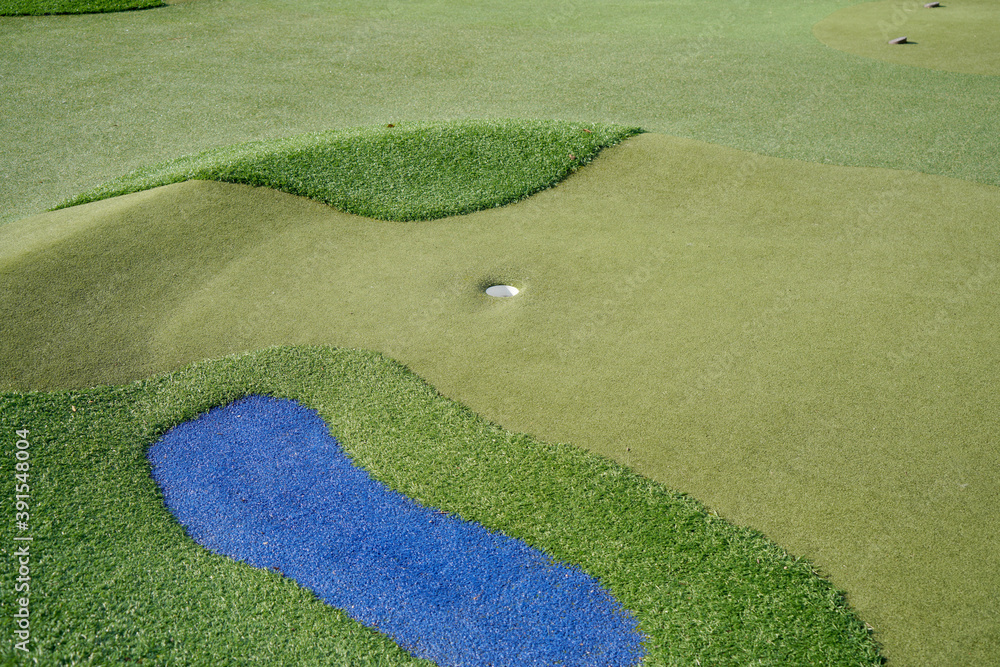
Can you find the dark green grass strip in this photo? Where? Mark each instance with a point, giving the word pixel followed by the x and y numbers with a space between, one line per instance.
pixel 114 579
pixel 417 171
pixel 42 7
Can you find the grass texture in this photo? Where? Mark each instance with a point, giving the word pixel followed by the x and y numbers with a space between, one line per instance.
pixel 414 171
pixel 85 92
pixel 43 7
pixel 262 481
pixel 815 365
pixel 956 37
pixel 115 579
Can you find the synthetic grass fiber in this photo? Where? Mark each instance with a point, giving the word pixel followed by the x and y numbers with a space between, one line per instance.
pixel 815 365
pixel 116 579
pixel 262 481
pixel 407 172
pixel 818 364
pixel 41 7
pixel 84 93
pixel 961 36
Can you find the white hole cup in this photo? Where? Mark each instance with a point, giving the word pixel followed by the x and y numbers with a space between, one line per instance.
pixel 502 291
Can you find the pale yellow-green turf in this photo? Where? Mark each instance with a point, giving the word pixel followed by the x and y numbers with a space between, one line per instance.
pixel 958 36
pixel 810 350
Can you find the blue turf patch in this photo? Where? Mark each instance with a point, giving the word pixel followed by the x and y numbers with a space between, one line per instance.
pixel 262 480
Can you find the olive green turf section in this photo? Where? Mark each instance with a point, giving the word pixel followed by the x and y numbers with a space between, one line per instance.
pixel 809 350
pixel 959 36
pixel 412 171
pixel 91 97
pixel 43 7
pixel 116 581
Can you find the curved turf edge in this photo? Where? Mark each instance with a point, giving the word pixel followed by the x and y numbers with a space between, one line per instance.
pixel 119 579
pixel 406 171
pixel 48 7
pixel 959 37
pixel 261 480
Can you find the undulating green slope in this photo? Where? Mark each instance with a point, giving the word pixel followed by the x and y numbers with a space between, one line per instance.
pixel 415 171
pixel 816 364
pixel 93 97
pixel 116 580
pixel 954 36
pixel 807 349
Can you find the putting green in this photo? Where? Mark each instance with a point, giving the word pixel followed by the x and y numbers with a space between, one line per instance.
pixel 959 36
pixel 85 92
pixel 120 582
pixel 410 171
pixel 809 350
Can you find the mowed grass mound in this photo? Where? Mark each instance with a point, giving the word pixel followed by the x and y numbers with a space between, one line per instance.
pixel 400 171
pixel 115 579
pixel 961 36
pixel 730 72
pixel 43 7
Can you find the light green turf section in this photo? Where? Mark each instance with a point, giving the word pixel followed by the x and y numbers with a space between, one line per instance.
pixel 116 581
pixel 412 171
pixel 42 7
pixel 959 36
pixel 89 98
pixel 810 350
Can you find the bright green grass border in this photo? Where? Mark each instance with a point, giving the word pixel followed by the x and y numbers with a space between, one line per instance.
pixel 729 72
pixel 749 78
pixel 44 7
pixel 412 171
pixel 115 579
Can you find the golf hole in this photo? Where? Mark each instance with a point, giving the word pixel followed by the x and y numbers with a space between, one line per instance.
pixel 502 290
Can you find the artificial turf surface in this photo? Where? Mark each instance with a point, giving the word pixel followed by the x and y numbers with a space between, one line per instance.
pixel 115 578
pixel 261 480
pixel 961 36
pixel 413 171
pixel 43 7
pixel 850 419
pixel 95 96
pixel 771 355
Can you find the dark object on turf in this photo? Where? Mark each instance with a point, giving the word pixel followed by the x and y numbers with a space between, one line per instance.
pixel 898 40
pixel 931 5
